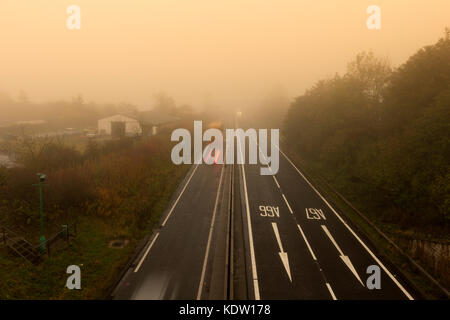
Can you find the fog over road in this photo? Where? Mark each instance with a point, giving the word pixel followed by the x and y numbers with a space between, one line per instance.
pixel 230 232
pixel 182 253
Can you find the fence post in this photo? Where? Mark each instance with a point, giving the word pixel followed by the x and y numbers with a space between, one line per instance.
pixel 65 232
pixel 4 236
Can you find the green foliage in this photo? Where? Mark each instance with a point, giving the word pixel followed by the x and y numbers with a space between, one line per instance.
pixel 385 134
pixel 418 82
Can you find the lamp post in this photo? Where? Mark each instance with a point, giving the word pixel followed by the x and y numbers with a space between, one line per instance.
pixel 42 178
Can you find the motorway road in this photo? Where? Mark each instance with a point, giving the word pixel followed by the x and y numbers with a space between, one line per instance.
pixel 303 248
pixel 231 232
pixel 189 248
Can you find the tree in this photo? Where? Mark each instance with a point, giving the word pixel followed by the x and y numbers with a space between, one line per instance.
pixel 164 103
pixel 400 161
pixel 373 73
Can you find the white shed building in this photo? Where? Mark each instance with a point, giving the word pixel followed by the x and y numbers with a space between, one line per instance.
pixel 119 125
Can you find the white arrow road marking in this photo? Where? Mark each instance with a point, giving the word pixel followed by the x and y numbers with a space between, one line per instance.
pixel 407 294
pixel 344 258
pixel 283 255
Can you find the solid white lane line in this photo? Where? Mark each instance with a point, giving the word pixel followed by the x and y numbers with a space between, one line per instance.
pixel 287 203
pixel 211 228
pixel 146 253
pixel 307 243
pixel 250 235
pixel 181 193
pixel 331 291
pixel 350 229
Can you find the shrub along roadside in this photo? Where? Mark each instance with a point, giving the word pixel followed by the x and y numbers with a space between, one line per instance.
pixel 383 136
pixel 380 137
pixel 423 288
pixel 112 192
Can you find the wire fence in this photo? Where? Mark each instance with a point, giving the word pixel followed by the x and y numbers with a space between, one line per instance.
pixel 34 253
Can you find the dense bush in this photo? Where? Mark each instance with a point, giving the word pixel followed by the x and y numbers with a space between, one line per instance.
pixel 118 180
pixel 386 134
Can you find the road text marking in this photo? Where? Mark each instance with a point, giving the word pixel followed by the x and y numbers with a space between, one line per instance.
pixel 269 211
pixel 407 294
pixel 315 214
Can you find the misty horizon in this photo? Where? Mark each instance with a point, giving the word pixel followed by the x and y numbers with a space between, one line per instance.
pixel 202 54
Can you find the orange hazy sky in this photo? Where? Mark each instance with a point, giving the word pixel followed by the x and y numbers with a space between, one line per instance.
pixel 227 51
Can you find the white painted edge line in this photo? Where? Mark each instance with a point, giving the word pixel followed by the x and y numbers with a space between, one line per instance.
pixel 250 235
pixel 146 253
pixel 350 229
pixel 331 291
pixel 179 196
pixel 307 243
pixel 165 220
pixel 211 228
pixel 287 203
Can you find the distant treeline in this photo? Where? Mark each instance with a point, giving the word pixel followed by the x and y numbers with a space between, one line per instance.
pixel 381 134
pixel 75 112
pixel 99 181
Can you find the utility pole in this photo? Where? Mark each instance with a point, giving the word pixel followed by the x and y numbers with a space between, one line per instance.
pixel 42 178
